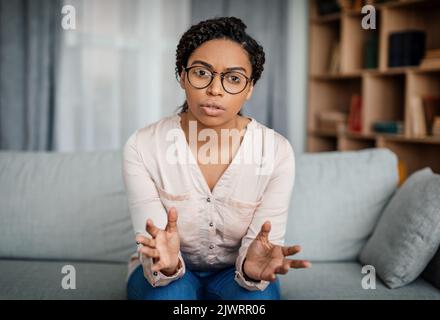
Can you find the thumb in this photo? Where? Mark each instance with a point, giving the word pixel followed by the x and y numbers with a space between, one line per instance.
pixel 172 220
pixel 265 229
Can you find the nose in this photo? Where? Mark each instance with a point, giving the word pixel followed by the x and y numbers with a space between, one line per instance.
pixel 215 88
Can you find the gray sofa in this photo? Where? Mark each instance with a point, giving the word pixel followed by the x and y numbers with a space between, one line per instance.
pixel 61 209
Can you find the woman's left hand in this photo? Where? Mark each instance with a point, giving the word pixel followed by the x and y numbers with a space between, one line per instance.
pixel 265 259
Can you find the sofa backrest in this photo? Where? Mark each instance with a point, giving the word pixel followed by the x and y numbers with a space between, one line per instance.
pixel 337 200
pixel 64 206
pixel 73 205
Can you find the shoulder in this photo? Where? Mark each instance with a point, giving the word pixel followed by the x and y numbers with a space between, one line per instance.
pixel 275 142
pixel 150 136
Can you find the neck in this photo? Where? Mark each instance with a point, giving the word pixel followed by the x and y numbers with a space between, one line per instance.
pixel 226 148
pixel 188 116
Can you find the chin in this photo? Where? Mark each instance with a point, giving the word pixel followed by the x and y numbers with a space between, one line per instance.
pixel 211 121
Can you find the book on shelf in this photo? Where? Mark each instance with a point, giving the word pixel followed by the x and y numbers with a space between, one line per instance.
pixel 431 59
pixel 406 48
pixel 432 54
pixel 355 113
pixel 431 109
pixel 371 51
pixel 331 120
pixel 417 126
pixel 393 127
pixel 423 112
pixel 436 127
pixel 335 58
pixel 326 7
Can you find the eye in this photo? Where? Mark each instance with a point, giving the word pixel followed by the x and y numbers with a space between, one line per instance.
pixel 201 72
pixel 235 78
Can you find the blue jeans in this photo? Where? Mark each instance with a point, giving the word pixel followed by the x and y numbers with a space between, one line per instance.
pixel 198 285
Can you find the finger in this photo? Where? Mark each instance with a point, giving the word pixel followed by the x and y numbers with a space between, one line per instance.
pixel 157 266
pixel 152 229
pixel 284 268
pixel 288 251
pixel 265 229
pixel 298 264
pixel 172 220
pixel 149 252
pixel 146 241
pixel 268 276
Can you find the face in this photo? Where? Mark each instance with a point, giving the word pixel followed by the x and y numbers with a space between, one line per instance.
pixel 217 55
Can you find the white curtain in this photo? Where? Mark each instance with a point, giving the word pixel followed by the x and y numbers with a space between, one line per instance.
pixel 116 70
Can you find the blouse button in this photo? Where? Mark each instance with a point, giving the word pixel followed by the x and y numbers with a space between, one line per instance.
pixel 208 199
pixel 155 273
pixel 211 224
pixel 211 246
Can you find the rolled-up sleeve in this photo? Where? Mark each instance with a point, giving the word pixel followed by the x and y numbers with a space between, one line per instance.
pixel 273 207
pixel 144 203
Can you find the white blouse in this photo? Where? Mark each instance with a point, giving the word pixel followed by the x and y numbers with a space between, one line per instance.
pixel 216 228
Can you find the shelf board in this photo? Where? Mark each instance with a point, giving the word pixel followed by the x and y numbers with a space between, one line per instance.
pixel 398 4
pixel 424 70
pixel 374 136
pixel 336 76
pixel 407 139
pixel 386 72
pixel 402 70
pixel 359 135
pixel 406 3
pixel 374 72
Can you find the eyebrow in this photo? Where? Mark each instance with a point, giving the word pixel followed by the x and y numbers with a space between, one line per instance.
pixel 206 64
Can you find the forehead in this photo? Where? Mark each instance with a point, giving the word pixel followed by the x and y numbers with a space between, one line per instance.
pixel 222 54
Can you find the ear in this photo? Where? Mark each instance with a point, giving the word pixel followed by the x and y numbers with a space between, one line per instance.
pixel 251 89
pixel 182 79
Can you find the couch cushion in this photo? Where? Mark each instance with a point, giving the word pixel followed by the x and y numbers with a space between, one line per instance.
pixel 343 280
pixel 26 279
pixel 337 200
pixel 64 206
pixel 408 233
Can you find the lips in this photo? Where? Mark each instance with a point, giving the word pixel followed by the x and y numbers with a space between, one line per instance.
pixel 212 109
pixel 214 105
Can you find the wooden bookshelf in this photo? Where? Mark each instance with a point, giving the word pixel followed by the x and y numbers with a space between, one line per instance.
pixel 386 92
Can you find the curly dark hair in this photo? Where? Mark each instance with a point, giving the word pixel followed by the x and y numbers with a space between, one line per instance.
pixel 230 28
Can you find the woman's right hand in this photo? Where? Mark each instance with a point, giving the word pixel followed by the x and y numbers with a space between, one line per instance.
pixel 164 246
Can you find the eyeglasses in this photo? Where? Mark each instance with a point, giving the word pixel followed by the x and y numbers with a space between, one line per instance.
pixel 201 77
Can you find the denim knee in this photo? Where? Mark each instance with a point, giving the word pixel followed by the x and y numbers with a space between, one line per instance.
pixel 272 292
pixel 185 288
pixel 226 288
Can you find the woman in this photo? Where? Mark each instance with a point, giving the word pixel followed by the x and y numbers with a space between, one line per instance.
pixel 210 214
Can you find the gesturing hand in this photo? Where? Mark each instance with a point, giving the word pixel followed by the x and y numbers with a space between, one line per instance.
pixel 164 246
pixel 264 259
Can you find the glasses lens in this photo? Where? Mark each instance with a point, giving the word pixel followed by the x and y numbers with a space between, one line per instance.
pixel 199 77
pixel 234 82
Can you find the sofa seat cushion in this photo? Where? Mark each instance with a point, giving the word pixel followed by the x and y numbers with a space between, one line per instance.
pixel 38 279
pixel 343 280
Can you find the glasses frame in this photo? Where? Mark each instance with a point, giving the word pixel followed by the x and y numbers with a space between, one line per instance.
pixel 222 77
